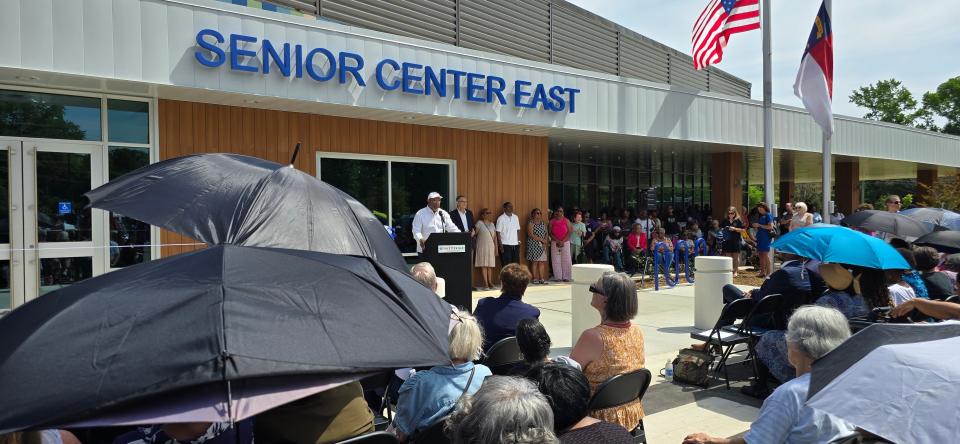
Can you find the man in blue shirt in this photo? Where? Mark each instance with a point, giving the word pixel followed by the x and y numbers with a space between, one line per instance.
pixel 499 316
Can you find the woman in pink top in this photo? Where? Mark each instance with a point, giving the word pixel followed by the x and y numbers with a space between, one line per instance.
pixel 560 231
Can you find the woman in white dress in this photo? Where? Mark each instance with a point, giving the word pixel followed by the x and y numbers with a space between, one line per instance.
pixel 485 255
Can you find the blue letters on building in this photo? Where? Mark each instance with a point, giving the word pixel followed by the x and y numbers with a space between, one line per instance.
pixel 322 65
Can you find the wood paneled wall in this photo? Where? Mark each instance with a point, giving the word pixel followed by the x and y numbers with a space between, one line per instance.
pixel 491 167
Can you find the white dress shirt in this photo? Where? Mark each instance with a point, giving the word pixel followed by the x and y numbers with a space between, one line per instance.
pixel 427 221
pixel 509 227
pixel 463 219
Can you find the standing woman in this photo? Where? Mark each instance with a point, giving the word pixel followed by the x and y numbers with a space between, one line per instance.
pixel 537 246
pixel 764 226
pixel 801 218
pixel 732 228
pixel 560 231
pixel 576 239
pixel 485 258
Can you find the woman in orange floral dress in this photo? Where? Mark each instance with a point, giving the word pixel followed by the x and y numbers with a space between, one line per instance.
pixel 615 346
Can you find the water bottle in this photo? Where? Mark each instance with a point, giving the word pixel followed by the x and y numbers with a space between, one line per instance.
pixel 668 371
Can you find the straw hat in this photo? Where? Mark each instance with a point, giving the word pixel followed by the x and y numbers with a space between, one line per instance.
pixel 836 277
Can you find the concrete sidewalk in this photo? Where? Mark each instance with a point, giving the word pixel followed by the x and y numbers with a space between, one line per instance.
pixel 666 317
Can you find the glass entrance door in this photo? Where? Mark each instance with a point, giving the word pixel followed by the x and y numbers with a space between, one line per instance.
pixel 63 240
pixel 11 224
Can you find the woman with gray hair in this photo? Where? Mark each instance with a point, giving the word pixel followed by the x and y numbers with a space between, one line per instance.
pixel 505 410
pixel 812 332
pixel 615 346
pixel 430 395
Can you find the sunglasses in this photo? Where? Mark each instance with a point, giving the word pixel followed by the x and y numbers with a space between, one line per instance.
pixel 895 203
pixel 594 289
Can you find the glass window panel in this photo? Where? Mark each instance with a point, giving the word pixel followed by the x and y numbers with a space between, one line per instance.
pixel 554 152
pixel 618 196
pixel 51 116
pixel 62 178
pixel 128 121
pixel 632 198
pixel 632 177
pixel 603 156
pixel 603 198
pixel 571 196
pixel 588 174
pixel 643 181
pixel 604 175
pixel 588 197
pixel 571 154
pixel 129 238
pixel 554 193
pixel 571 173
pixel 4 199
pixel 590 156
pixel 364 180
pixel 411 182
pixel 556 171
pixel 59 272
pixel 6 301
pixel 632 158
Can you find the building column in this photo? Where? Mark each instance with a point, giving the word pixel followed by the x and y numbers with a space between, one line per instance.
pixel 787 179
pixel 846 184
pixel 727 186
pixel 926 177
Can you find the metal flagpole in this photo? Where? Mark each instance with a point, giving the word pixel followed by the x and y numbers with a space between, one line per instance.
pixel 768 194
pixel 827 161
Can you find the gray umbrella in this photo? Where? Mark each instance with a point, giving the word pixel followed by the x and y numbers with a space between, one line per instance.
pixel 887 222
pixel 242 200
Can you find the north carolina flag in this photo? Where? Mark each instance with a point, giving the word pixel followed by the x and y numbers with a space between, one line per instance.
pixel 814 83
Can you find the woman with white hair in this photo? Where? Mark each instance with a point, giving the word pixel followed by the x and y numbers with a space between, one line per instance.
pixel 812 332
pixel 506 409
pixel 801 218
pixel 430 395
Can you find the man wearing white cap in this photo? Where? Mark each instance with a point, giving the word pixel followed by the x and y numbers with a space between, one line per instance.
pixel 431 219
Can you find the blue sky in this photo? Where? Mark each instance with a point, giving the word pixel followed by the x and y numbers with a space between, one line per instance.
pixel 917 43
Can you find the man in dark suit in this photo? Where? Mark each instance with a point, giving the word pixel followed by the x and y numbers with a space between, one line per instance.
pixel 499 316
pixel 793 280
pixel 462 217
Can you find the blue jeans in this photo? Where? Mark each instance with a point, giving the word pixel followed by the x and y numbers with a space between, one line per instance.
pixel 617 257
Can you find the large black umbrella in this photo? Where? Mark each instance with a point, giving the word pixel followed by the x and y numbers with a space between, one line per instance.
pixel 937 216
pixel 242 200
pixel 887 222
pixel 186 324
pixel 898 381
pixel 945 241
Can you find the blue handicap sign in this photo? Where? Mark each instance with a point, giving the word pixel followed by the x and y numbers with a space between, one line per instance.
pixel 65 208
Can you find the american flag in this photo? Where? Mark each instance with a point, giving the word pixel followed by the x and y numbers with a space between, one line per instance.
pixel 718 21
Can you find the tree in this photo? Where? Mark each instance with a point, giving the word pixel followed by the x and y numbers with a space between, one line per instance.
pixel 944 193
pixel 889 101
pixel 945 102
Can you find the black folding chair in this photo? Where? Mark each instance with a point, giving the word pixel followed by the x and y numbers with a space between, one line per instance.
pixel 726 340
pixel 761 319
pixel 502 356
pixel 372 438
pixel 620 390
pixel 431 435
pixel 955 299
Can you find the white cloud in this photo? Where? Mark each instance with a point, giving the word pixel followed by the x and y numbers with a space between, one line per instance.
pixel 915 42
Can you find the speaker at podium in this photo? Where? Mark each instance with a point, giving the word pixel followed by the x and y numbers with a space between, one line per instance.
pixel 451 257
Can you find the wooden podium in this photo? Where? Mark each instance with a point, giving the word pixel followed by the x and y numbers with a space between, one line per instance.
pixel 451 257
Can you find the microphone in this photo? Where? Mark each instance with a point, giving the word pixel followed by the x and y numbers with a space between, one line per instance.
pixel 443 225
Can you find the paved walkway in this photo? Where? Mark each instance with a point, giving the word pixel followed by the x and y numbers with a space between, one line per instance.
pixel 673 410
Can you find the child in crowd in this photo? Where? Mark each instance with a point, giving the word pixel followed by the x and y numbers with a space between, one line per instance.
pixel 613 249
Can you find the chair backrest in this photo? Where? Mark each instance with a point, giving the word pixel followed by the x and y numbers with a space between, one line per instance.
pixel 731 313
pixel 503 355
pixel 432 435
pixel 373 438
pixel 621 389
pixel 767 308
pixel 955 299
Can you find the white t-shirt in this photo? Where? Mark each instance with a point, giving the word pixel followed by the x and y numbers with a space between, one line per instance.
pixel 900 294
pixel 463 219
pixel 508 227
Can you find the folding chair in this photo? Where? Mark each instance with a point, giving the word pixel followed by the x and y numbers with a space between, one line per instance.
pixel 431 435
pixel 620 390
pixel 955 299
pixel 372 438
pixel 726 340
pixel 502 356
pixel 764 311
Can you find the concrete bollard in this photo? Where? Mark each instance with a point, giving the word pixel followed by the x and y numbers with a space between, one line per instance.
pixel 582 315
pixel 713 272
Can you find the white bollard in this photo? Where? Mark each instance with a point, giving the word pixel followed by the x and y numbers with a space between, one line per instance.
pixel 713 272
pixel 583 315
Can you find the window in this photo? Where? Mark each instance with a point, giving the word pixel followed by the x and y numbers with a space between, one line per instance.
pixel 393 188
pixel 129 238
pixel 49 116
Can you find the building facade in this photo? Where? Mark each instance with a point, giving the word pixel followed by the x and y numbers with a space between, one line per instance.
pixel 575 111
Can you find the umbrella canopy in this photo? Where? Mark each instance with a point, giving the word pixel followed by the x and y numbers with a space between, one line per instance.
pixel 944 241
pixel 953 259
pixel 894 223
pixel 937 216
pixel 841 245
pixel 116 342
pixel 242 200
pixel 897 381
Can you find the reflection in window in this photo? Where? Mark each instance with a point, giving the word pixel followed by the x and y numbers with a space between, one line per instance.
pixel 5 300
pixel 128 237
pixel 62 178
pixel 59 272
pixel 50 116
pixel 4 199
pixel 128 121
pixel 364 180
pixel 411 182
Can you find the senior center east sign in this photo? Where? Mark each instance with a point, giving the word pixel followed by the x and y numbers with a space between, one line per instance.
pixel 240 53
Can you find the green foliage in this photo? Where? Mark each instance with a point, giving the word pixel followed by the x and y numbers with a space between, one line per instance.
pixel 754 195
pixel 37 119
pixel 889 101
pixel 944 193
pixel 945 102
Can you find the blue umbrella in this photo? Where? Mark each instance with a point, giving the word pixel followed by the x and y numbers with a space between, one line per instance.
pixel 937 216
pixel 841 245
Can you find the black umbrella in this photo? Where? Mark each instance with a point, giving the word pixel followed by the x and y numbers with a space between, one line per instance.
pixel 944 241
pixel 242 200
pixel 887 222
pixel 188 323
